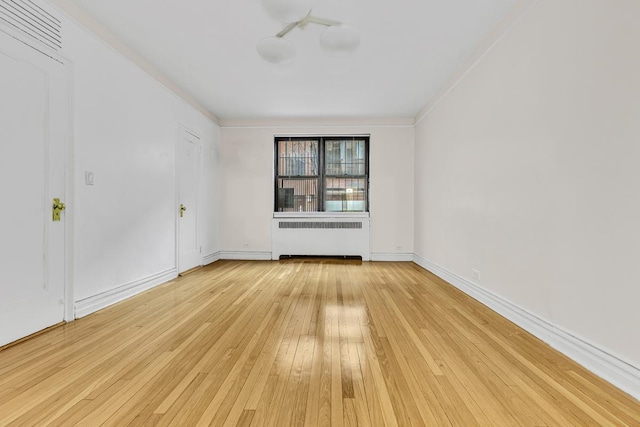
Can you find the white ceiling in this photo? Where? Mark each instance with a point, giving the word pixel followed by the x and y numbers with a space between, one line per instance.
pixel 409 49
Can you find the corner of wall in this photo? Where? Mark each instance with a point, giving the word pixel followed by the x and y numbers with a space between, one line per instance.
pixel 513 18
pixel 92 26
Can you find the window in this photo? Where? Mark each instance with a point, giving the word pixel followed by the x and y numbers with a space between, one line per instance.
pixel 322 174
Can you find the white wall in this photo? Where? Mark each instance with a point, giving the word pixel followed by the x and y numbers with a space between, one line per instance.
pixel 211 196
pixel 125 131
pixel 527 171
pixel 247 185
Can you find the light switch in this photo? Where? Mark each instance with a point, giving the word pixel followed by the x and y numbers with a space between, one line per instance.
pixel 88 178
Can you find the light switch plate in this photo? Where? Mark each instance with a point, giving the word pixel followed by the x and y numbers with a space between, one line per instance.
pixel 88 178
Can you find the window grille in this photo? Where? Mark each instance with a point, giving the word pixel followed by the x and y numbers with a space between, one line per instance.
pixel 323 174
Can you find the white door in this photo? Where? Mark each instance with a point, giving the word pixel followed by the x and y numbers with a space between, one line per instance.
pixel 189 155
pixel 33 133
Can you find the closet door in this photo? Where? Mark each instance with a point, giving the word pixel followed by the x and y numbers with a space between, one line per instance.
pixel 33 133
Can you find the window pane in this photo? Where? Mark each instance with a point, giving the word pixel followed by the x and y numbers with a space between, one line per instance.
pixel 298 158
pixel 321 174
pixel 345 157
pixel 297 195
pixel 345 195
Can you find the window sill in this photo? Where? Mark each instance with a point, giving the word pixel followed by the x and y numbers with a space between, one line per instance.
pixel 321 215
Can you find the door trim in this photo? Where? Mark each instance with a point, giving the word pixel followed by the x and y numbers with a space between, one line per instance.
pixel 69 178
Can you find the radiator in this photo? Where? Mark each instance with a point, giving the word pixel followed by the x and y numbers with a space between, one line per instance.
pixel 320 237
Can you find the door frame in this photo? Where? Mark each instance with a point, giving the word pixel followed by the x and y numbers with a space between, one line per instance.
pixel 69 167
pixel 182 128
pixel 70 190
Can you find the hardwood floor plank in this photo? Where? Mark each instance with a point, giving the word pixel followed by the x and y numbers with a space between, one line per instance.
pixel 245 419
pixel 373 352
pixel 312 342
pixel 371 392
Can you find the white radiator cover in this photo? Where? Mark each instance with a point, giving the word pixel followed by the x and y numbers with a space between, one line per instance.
pixel 326 236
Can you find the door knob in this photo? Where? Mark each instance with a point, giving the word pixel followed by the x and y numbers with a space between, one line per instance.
pixel 183 208
pixel 58 207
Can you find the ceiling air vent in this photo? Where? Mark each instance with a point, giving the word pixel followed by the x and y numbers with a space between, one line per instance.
pixel 33 21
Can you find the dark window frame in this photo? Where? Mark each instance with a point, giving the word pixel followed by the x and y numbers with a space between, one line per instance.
pixel 322 176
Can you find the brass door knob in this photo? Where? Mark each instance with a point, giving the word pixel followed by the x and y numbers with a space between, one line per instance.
pixel 58 207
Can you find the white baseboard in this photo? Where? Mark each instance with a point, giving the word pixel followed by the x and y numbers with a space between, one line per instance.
pixel 391 256
pixel 607 366
pixel 210 258
pixel 94 303
pixel 246 255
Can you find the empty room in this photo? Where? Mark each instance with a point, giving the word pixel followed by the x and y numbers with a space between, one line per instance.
pixel 320 213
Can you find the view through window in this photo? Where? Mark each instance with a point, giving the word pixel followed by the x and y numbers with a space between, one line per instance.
pixel 322 174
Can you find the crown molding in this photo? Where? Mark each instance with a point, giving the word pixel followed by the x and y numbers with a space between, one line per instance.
pixel 305 123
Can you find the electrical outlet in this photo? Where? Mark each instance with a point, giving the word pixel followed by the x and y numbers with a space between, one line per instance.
pixel 398 248
pixel 476 274
pixel 245 246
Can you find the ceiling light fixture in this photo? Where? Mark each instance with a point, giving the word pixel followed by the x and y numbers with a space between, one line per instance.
pixel 276 50
pixel 337 39
pixel 287 11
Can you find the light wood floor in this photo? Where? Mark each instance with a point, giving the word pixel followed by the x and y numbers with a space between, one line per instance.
pixel 301 343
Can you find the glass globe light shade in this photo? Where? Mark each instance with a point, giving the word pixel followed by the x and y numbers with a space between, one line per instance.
pixel 276 50
pixel 339 39
pixel 287 11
